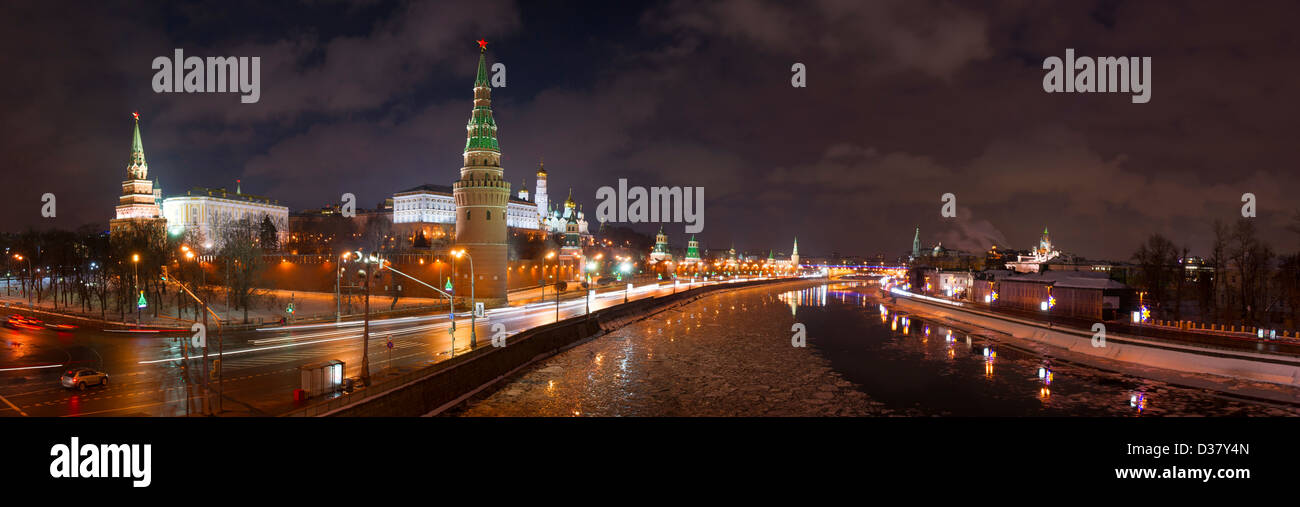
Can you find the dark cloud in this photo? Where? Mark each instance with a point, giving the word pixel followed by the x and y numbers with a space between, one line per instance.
pixel 906 101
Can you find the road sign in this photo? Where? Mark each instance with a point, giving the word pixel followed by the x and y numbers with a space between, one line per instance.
pixel 448 286
pixel 141 303
pixel 478 309
pixel 390 344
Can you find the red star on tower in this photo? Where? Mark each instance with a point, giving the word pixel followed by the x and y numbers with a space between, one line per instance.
pixel 482 45
pixel 136 115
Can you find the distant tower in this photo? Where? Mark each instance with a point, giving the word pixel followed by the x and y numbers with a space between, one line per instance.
pixel 794 257
pixel 572 248
pixel 137 204
pixel 481 195
pixel 661 252
pixel 543 207
pixel 916 244
pixel 570 207
pixel 692 251
pixel 523 190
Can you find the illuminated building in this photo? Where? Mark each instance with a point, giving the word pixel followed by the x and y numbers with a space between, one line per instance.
pixel 1037 256
pixel 138 203
pixel 661 252
pixel 692 252
pixel 436 204
pixel 482 197
pixel 208 210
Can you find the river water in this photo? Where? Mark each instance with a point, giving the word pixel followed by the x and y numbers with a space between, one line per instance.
pixel 731 354
pixel 928 368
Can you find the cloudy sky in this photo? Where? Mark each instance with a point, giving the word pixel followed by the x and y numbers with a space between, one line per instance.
pixel 905 101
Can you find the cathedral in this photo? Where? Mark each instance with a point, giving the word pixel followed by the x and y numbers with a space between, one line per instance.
pixel 557 220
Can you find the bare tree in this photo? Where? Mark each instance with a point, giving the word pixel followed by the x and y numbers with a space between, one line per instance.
pixel 1154 259
pixel 241 258
pixel 1219 261
pixel 1250 258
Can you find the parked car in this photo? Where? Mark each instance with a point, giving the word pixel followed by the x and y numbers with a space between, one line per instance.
pixel 82 377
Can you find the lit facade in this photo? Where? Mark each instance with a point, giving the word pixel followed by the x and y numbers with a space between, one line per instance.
pixel 436 204
pixel 207 210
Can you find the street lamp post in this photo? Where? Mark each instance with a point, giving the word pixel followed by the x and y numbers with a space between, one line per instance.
pixel 365 333
pixel 473 309
pixel 549 255
pixel 627 270
pixel 591 266
pixel 26 292
pixel 135 282
pixel 451 306
pixel 338 292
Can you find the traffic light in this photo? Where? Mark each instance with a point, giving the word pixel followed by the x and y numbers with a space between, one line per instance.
pixel 164 273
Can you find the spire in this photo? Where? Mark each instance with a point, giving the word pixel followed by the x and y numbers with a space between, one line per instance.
pixel 137 169
pixel 541 168
pixel 238 186
pixel 796 246
pixel 482 128
pixel 482 79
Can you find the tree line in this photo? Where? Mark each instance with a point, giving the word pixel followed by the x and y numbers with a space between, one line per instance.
pixel 1242 280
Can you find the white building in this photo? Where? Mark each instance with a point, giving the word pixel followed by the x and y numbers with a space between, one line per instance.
pixel 1037 256
pixel 207 209
pixel 434 204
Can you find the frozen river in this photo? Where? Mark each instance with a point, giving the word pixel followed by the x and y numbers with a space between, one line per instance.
pixel 730 354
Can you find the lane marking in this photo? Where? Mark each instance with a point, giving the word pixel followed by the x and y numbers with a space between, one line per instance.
pixel 15 407
pixel 32 367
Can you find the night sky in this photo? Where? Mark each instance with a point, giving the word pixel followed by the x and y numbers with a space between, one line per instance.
pixel 905 101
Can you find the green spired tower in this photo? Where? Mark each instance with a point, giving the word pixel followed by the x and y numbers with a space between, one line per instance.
pixel 481 195
pixel 692 250
pixel 916 244
pixel 137 204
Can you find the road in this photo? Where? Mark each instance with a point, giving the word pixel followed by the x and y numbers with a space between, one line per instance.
pixel 261 368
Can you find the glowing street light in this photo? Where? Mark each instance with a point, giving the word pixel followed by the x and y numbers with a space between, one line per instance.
pixel 549 255
pixel 135 280
pixel 473 337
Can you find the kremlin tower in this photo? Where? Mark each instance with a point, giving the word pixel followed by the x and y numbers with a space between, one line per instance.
pixel 661 252
pixel 138 204
pixel 481 195
pixel 692 251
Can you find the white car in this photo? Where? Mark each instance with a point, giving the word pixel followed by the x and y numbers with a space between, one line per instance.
pixel 81 378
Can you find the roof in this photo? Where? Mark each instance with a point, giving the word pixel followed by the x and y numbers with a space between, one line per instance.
pixel 221 193
pixel 1073 279
pixel 430 188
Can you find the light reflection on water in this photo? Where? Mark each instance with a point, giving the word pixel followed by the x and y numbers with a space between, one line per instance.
pixel 894 362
